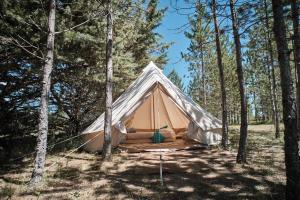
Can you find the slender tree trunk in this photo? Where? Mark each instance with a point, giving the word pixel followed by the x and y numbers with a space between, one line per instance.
pixel 106 153
pixel 199 88
pixel 221 78
pixel 234 114
pixel 272 74
pixel 255 107
pixel 292 162
pixel 38 170
pixel 241 156
pixel 203 75
pixel 295 16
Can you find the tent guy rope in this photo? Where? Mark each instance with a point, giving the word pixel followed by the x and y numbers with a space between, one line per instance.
pixel 49 147
pixel 75 149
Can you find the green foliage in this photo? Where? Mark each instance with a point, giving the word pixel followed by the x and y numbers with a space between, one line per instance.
pixel 198 52
pixel 258 71
pixel 201 56
pixel 78 78
pixel 175 78
pixel 204 86
pixel 147 46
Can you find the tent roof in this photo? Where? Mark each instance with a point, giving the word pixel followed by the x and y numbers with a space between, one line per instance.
pixel 131 99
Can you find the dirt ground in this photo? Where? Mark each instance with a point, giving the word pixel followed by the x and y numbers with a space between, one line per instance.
pixel 187 174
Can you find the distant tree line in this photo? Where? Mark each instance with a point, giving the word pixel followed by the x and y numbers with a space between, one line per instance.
pixel 244 63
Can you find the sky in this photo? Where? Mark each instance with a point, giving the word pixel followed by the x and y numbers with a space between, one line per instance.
pixel 174 20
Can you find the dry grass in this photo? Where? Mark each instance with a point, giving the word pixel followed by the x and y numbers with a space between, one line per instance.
pixel 194 174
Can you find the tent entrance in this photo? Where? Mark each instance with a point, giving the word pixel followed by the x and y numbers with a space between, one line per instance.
pixel 157 110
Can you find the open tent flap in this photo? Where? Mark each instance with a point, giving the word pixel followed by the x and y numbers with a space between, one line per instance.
pixel 157 110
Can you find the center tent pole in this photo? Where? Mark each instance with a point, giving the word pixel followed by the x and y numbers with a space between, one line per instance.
pixel 160 156
pixel 161 175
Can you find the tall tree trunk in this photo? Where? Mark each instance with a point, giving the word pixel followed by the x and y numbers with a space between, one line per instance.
pixel 203 75
pixel 106 153
pixel 295 16
pixel 199 88
pixel 255 107
pixel 241 156
pixel 272 74
pixel 221 78
pixel 38 170
pixel 292 162
pixel 234 116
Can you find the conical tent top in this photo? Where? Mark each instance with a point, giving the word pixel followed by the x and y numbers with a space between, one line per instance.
pixel 151 66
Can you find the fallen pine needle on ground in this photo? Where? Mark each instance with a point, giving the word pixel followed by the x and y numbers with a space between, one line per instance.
pixel 188 174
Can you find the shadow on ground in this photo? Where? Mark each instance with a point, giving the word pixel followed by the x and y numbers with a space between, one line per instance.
pixel 194 174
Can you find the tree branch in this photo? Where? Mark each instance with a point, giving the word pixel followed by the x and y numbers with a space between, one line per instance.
pixel 16 43
pixel 82 23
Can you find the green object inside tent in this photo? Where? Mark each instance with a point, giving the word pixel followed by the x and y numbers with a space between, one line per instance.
pixel 157 136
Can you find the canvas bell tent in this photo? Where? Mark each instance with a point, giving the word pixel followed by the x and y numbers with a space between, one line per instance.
pixel 152 101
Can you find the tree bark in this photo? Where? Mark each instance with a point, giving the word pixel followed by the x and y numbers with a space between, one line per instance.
pixel 106 153
pixel 255 107
pixel 203 75
pixel 224 142
pixel 241 156
pixel 292 162
pixel 38 170
pixel 295 17
pixel 272 74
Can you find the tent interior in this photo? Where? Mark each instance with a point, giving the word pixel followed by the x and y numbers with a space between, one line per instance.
pixel 156 110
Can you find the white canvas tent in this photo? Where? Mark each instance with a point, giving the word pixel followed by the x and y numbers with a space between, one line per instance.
pixel 150 102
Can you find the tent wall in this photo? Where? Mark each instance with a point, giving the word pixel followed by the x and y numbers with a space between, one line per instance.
pixel 177 118
pixel 211 137
pixel 97 139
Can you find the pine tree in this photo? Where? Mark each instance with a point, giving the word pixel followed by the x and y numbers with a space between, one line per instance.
pixel 241 156
pixel 106 152
pixel 148 46
pixel 40 159
pixel 19 116
pixel 292 162
pixel 296 39
pixel 205 82
pixel 271 73
pixel 78 77
pixel 197 51
pixel 221 78
pixel 175 78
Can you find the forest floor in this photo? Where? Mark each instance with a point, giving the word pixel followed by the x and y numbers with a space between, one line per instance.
pixel 188 174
